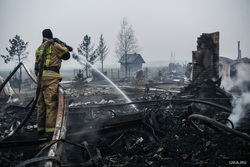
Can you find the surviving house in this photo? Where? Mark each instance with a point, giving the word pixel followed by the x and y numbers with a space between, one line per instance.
pixel 134 62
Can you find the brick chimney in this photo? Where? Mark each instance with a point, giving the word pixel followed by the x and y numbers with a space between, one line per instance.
pixel 206 58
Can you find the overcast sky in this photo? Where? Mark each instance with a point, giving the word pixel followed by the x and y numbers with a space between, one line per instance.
pixel 160 26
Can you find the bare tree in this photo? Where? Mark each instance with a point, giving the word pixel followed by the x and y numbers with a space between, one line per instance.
pixel 126 42
pixel 16 53
pixel 102 50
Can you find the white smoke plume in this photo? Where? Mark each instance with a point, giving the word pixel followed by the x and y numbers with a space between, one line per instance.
pixel 240 82
pixel 239 109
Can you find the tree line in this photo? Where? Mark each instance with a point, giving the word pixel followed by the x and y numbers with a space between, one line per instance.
pixel 126 43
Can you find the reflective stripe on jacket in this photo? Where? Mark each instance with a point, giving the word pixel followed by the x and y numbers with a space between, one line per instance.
pixel 54 54
pixel 46 129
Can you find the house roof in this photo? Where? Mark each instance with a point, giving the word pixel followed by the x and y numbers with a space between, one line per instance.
pixel 225 60
pixel 131 58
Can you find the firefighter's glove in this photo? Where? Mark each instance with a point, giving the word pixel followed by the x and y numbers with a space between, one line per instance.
pixel 70 49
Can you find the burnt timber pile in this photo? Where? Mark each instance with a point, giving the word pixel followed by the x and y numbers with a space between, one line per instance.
pixel 189 128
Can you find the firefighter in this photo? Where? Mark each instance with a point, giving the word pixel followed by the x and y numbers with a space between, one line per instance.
pixel 47 104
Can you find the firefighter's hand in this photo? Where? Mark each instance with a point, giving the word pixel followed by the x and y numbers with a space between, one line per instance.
pixel 70 49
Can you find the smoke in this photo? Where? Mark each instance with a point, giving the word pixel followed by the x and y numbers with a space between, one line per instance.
pixel 239 84
pixel 226 80
pixel 239 109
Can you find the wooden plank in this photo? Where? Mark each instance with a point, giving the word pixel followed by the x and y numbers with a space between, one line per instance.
pixel 60 131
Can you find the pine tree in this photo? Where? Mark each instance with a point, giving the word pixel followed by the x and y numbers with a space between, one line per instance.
pixel 86 50
pixel 16 53
pixel 102 50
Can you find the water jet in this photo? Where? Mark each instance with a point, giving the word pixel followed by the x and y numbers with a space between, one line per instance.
pixel 111 82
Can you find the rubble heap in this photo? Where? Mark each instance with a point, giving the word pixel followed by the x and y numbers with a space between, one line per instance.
pixel 157 130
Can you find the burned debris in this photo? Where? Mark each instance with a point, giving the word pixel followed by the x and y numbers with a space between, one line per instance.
pixel 192 125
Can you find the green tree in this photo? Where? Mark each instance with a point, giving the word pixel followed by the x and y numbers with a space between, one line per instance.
pixel 126 42
pixel 17 52
pixel 86 50
pixel 102 50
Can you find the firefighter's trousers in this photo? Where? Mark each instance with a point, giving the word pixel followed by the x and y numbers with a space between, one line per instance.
pixel 47 105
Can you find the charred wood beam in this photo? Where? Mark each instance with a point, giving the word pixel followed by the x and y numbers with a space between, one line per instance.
pixel 243 130
pixel 100 123
pixel 14 107
pixel 22 145
pixel 110 131
pixel 14 71
pixel 39 159
pixel 8 78
pixel 226 109
pixel 146 103
pixel 63 130
pixel 29 73
pixel 60 128
pixel 109 127
pixel 157 102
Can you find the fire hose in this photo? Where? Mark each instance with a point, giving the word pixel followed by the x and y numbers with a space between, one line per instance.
pixel 37 90
pixel 216 123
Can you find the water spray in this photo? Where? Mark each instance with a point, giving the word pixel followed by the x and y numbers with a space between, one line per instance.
pixel 116 87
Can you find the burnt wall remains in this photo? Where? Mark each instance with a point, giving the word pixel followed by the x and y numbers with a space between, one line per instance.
pixel 206 58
